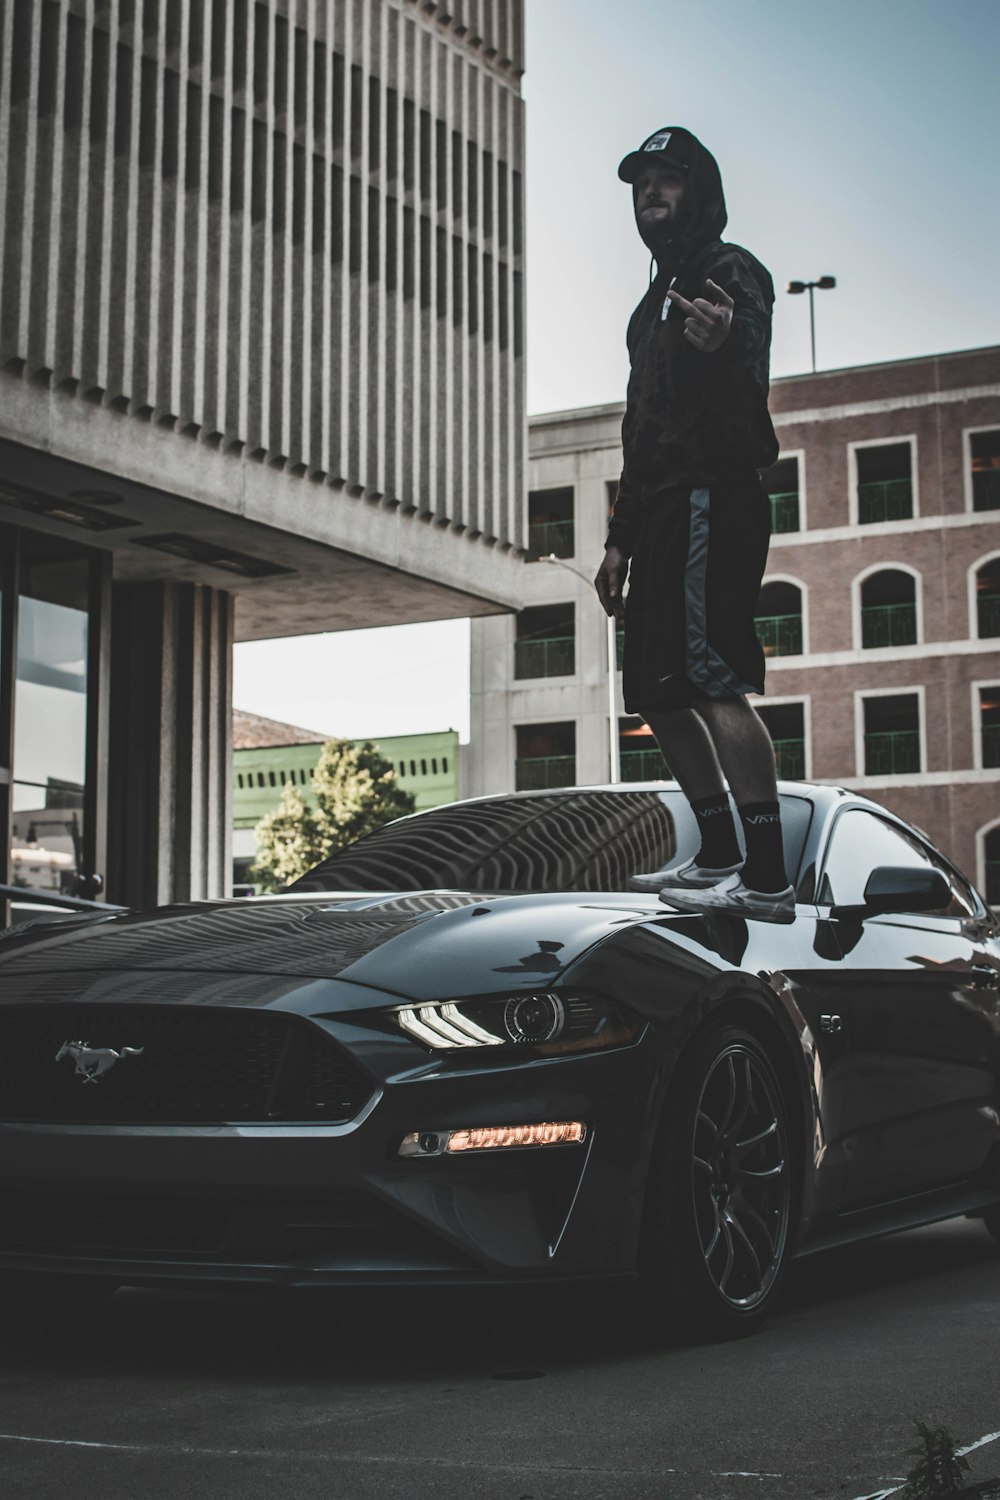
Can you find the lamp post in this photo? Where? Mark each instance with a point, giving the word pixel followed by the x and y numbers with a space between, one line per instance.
pixel 613 756
pixel 825 284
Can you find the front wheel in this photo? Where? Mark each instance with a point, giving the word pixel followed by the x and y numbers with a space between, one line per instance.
pixel 719 1193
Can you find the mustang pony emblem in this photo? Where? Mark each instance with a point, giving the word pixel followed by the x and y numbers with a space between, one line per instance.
pixel 93 1062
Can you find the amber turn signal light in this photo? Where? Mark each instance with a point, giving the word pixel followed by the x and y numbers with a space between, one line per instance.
pixel 493 1138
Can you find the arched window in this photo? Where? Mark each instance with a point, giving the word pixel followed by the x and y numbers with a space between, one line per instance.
pixel 239 779
pixel 260 778
pixel 444 764
pixel 779 619
pixel 413 768
pixel 434 764
pixel 988 599
pixel 423 768
pixel 888 609
pixel 281 775
pixel 272 778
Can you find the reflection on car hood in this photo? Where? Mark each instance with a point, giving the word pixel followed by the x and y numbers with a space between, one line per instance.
pixel 403 943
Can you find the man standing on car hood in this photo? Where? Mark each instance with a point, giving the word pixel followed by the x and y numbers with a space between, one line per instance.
pixel 691 525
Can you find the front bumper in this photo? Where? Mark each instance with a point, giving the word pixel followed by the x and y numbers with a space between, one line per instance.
pixel 335 1204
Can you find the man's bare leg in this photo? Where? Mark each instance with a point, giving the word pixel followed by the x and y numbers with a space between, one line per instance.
pixel 743 747
pixel 687 747
pixel 686 742
pixel 726 736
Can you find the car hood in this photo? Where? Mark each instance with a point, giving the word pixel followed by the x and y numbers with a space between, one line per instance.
pixel 419 944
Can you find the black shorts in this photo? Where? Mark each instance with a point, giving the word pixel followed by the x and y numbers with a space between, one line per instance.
pixel 694 582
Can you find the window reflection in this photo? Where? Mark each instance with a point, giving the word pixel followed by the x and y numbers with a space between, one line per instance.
pixel 50 723
pixel 862 842
pixel 583 841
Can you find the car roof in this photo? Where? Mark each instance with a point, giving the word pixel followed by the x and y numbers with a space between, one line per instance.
pixel 825 798
pixel 822 795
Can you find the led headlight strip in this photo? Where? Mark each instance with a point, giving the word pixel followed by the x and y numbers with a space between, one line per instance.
pixel 444 1025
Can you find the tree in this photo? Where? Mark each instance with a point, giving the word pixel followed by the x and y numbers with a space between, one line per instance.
pixel 354 791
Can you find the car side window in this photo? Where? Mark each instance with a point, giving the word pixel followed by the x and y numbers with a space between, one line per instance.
pixel 963 898
pixel 861 842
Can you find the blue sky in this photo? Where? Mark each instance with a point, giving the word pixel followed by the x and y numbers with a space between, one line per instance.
pixel 856 138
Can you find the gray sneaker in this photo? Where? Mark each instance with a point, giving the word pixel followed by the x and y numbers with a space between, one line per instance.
pixel 689 876
pixel 733 896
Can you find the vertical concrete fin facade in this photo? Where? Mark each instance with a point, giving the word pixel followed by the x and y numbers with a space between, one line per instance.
pixel 170 783
pixel 292 231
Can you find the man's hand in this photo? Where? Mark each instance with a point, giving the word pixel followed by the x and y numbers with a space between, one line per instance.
pixel 610 581
pixel 707 319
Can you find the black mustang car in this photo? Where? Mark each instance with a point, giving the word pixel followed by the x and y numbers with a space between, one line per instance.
pixel 461 1050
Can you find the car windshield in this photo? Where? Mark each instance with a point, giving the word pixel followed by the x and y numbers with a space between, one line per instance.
pixel 549 841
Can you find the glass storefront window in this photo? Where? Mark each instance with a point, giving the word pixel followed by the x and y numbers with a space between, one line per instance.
pixel 50 721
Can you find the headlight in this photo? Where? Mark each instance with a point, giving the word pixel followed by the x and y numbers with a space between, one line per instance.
pixel 534 1018
pixel 543 1022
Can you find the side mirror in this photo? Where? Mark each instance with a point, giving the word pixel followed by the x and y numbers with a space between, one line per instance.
pixel 904 888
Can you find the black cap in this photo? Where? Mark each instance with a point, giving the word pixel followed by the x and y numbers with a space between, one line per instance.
pixel 670 145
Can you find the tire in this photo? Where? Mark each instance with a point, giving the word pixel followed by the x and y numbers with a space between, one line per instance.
pixel 719 1196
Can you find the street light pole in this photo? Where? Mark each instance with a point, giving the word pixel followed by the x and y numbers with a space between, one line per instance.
pixel 614 760
pixel 825 284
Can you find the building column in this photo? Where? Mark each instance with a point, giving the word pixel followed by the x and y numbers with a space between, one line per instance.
pixel 170 753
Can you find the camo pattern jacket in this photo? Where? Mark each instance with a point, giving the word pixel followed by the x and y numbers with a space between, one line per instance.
pixel 695 419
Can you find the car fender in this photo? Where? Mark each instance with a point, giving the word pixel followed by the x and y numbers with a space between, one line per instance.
pixel 664 972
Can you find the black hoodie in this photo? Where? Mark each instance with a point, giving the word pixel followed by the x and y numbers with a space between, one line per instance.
pixel 695 419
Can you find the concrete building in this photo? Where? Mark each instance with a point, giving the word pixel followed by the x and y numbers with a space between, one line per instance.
pixel 880 612
pixel 268 756
pixel 261 373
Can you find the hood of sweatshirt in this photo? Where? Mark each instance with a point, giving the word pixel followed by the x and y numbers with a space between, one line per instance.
pixel 702 216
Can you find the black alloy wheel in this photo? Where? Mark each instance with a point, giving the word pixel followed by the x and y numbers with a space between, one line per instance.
pixel 719 1194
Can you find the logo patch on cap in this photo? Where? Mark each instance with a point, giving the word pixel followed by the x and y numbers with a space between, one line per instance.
pixel 658 142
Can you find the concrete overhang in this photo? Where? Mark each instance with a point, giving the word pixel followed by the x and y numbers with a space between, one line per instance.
pixel 301 556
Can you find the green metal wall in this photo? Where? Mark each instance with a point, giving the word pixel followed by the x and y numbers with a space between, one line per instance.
pixel 426 765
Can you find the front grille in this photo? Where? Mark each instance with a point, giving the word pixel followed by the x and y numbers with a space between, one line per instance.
pixel 196 1065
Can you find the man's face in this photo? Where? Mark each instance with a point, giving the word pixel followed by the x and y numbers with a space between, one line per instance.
pixel 657 194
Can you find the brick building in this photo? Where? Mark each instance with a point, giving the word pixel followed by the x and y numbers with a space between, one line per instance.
pixel 880 611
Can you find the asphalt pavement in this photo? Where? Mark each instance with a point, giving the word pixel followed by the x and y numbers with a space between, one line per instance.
pixel 352 1396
